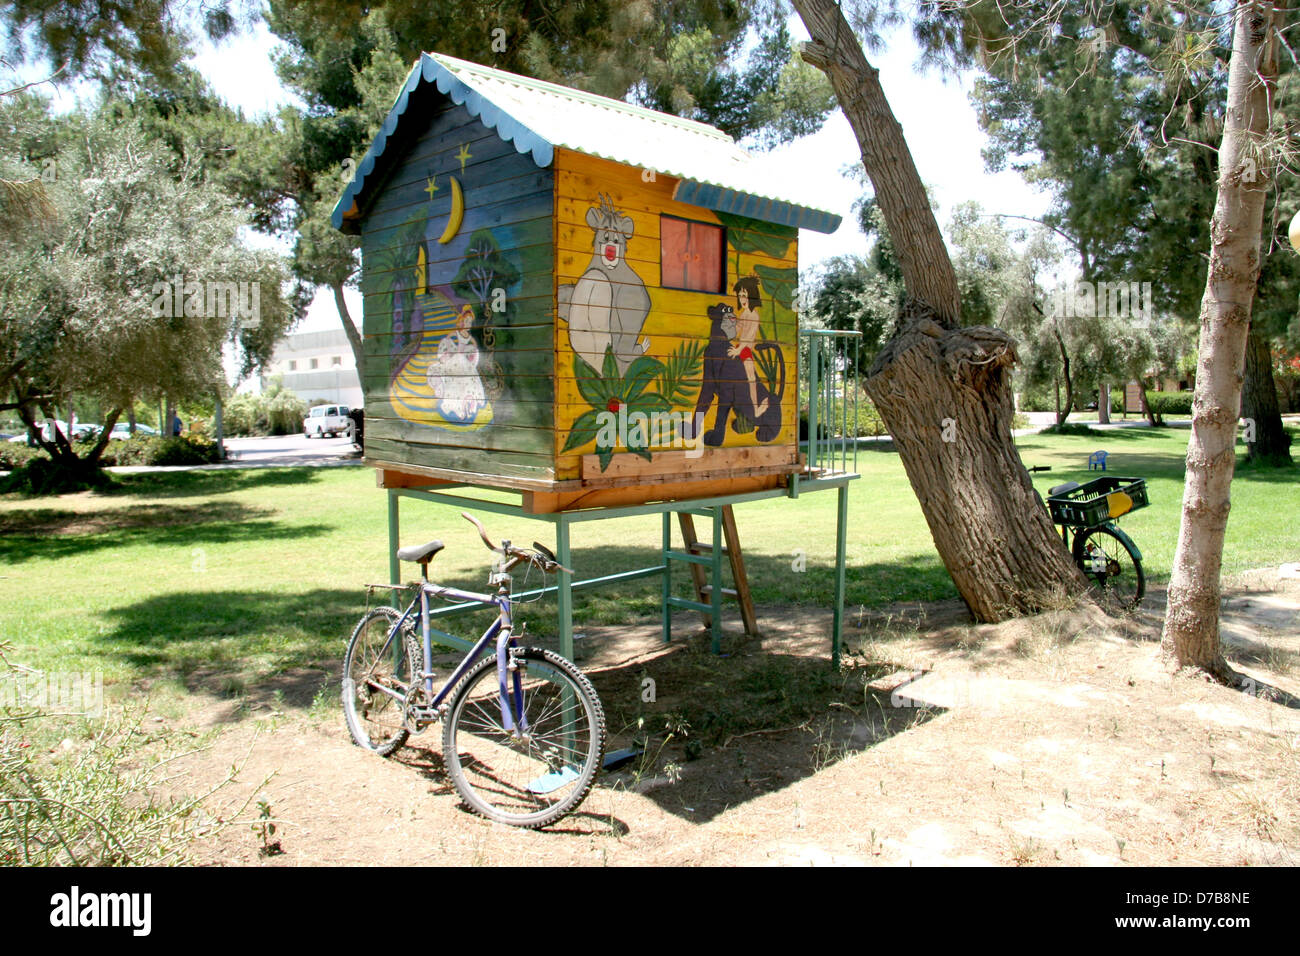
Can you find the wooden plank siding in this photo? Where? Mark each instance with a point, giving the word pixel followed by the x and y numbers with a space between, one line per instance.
pixel 434 402
pixel 500 408
pixel 676 318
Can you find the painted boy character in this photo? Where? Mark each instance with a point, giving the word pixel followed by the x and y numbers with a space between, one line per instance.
pixel 748 301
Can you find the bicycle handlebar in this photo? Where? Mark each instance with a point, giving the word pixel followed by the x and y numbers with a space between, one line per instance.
pixel 481 533
pixel 542 557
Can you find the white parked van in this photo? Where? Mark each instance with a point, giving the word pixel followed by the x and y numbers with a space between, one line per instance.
pixel 327 420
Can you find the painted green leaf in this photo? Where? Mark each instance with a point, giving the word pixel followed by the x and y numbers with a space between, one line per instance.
pixel 778 283
pixel 594 390
pixel 649 402
pixel 639 376
pixel 753 235
pixel 584 430
pixel 604 454
pixel 610 371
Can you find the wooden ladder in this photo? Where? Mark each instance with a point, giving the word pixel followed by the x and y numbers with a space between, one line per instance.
pixel 705 562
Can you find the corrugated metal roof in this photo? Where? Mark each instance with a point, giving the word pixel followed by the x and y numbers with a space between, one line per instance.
pixel 537 117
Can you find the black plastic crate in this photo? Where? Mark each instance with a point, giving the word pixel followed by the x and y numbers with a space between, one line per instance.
pixel 1087 505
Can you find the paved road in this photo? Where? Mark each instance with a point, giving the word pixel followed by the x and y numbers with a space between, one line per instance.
pixel 287 450
pixel 278 452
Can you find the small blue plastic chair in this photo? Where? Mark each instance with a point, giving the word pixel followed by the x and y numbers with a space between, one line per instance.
pixel 1097 460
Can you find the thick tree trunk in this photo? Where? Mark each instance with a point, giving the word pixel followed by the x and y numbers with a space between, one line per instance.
pixel 97 451
pixel 922 256
pixel 1260 412
pixel 1191 631
pixel 944 392
pixel 944 395
pixel 1103 403
pixel 351 331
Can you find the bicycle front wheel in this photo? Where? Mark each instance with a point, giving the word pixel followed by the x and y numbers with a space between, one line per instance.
pixel 1111 562
pixel 377 674
pixel 536 772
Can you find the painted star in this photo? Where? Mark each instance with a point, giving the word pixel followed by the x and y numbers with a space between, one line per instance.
pixel 432 187
pixel 464 156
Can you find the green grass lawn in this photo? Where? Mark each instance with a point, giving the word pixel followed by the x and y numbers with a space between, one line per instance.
pixel 247 573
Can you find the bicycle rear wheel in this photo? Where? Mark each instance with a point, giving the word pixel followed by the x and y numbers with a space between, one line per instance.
pixel 371 666
pixel 1112 563
pixel 534 777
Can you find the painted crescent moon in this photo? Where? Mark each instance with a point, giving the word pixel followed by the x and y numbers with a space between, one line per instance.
pixel 457 212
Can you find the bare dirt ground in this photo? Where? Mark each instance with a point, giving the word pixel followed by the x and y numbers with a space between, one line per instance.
pixel 1055 740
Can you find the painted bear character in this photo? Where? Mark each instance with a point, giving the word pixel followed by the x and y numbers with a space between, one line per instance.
pixel 608 305
pixel 725 381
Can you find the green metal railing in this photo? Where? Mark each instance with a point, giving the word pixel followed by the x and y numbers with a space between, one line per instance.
pixel 828 363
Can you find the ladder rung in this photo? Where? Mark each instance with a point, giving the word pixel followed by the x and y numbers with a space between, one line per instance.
pixel 692 558
pixel 698 512
pixel 705 548
pixel 689 605
pixel 729 592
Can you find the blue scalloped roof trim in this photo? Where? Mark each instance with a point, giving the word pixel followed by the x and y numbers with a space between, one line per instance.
pixel 526 141
pixel 429 70
pixel 711 196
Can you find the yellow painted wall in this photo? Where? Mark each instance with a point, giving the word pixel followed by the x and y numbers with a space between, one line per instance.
pixel 675 316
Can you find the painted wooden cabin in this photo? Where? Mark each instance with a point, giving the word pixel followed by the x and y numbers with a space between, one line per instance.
pixel 573 297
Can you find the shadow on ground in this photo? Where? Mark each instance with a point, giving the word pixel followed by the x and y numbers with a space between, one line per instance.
pixel 52 533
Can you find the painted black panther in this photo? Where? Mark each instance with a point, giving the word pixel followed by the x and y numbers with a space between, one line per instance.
pixel 725 380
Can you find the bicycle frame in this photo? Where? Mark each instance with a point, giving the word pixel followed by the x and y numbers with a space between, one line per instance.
pixel 501 630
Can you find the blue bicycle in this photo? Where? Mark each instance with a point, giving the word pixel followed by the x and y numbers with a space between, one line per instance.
pixel 523 730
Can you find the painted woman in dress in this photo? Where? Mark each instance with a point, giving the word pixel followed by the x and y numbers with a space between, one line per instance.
pixel 748 301
pixel 453 376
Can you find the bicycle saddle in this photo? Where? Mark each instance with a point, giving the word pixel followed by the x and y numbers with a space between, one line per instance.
pixel 420 553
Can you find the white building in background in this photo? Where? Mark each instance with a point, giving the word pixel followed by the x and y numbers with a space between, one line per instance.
pixel 317 367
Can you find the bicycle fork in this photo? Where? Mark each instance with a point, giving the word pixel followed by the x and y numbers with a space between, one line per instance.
pixel 510 684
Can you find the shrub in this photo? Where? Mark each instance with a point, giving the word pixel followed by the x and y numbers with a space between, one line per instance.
pixel 831 420
pixel 162 450
pixel 276 412
pixel 91 798
pixel 1169 403
pixel 1071 428
pixel 40 476
pixel 16 454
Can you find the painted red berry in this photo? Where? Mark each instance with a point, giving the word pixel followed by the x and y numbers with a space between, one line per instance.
pixel 613 405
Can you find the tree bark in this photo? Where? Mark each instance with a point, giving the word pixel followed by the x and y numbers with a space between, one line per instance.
pixel 945 396
pixel 1069 384
pixel 1103 403
pixel 1146 406
pixel 922 257
pixel 1191 631
pixel 351 331
pixel 219 428
pixel 944 392
pixel 1259 406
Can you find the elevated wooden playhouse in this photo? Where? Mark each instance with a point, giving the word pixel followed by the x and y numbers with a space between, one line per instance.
pixel 587 303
